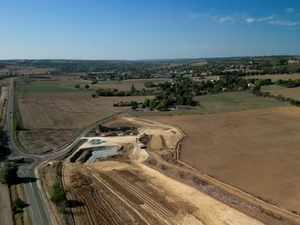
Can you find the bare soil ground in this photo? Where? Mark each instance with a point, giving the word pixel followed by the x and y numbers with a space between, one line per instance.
pixel 5 206
pixel 37 141
pixel 113 192
pixel 255 150
pixel 276 77
pixel 161 159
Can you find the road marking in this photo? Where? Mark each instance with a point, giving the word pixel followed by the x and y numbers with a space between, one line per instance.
pixel 34 200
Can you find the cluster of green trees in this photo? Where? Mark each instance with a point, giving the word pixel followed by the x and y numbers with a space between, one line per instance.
pixel 288 83
pixel 260 82
pixel 8 174
pixel 3 150
pixel 183 90
pixel 134 104
pixel 133 92
pixel 59 196
pixel 149 84
pixel 178 93
pixel 17 125
pixel 77 86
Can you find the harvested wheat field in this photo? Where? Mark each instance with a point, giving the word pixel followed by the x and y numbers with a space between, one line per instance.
pixel 255 151
pixel 68 110
pixel 293 93
pixel 24 70
pixel 276 77
pixel 114 192
pixel 49 140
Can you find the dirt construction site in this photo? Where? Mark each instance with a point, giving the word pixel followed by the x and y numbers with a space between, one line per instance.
pixel 112 180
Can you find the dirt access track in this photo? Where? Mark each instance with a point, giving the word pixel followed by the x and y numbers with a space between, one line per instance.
pixel 113 192
pixel 131 188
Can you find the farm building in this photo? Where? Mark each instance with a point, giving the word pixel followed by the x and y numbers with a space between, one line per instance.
pixel 251 85
pixel 291 61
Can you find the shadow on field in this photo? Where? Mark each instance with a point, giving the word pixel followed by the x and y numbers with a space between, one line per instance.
pixel 26 180
pixel 75 203
pixel 4 147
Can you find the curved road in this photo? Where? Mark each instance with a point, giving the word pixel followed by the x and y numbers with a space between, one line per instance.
pixel 38 210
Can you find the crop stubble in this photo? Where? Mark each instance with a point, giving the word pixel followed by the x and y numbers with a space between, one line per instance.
pixel 68 110
pixel 255 151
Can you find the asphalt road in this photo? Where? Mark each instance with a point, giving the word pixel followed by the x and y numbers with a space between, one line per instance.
pixel 37 208
pixel 39 212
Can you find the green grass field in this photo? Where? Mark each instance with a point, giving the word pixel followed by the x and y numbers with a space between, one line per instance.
pixel 50 88
pixel 224 102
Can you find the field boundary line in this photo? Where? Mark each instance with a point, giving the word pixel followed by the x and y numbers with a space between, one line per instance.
pixel 118 196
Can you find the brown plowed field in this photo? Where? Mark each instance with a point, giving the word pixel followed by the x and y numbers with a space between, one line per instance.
pixel 255 151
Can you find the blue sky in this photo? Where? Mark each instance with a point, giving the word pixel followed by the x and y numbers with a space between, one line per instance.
pixel 147 29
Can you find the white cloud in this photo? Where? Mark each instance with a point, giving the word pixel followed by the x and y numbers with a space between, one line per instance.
pixel 216 18
pixel 251 20
pixel 283 22
pixel 266 18
pixel 226 18
pixel 223 18
pixel 290 10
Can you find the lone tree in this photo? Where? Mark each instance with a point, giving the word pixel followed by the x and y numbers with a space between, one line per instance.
pixel 87 86
pixel 17 125
pixel 77 86
pixel 147 102
pixel 59 196
pixel 132 89
pixel 9 174
pixel 18 205
pixel 94 95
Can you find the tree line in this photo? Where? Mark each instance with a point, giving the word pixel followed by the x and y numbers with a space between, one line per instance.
pixel 134 104
pixel 132 92
pixel 288 83
pixel 257 91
